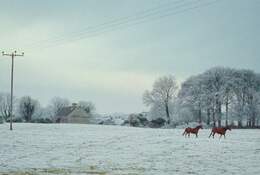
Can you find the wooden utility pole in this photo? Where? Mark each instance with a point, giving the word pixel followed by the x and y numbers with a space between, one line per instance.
pixel 12 55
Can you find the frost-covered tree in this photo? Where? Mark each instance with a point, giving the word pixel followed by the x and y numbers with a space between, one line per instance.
pixel 158 111
pixel 57 104
pixel 162 95
pixel 27 107
pixel 215 80
pixel 1 116
pixel 185 115
pixel 88 106
pixel 256 109
pixel 222 88
pixel 246 85
pixel 252 109
pixel 191 96
pixel 228 92
pixel 5 105
pixel 209 103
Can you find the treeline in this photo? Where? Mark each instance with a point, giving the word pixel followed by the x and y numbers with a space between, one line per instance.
pixel 28 109
pixel 219 96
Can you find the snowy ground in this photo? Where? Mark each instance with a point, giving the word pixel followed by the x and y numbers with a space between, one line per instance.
pixel 114 150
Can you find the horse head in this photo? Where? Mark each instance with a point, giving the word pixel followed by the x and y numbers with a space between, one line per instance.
pixel 228 128
pixel 199 127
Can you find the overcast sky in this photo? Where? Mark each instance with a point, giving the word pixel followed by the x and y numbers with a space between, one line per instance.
pixel 110 51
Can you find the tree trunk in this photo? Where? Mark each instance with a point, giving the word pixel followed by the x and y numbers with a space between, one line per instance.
pixel 213 117
pixel 240 120
pixel 218 110
pixel 167 113
pixel 227 113
pixel 200 117
pixel 253 112
pixel 253 120
pixel 239 123
pixel 219 114
pixel 208 116
pixel 248 124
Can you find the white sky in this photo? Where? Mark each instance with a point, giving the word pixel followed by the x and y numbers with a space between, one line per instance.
pixel 113 69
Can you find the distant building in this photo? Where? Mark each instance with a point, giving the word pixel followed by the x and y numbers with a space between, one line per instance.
pixel 73 114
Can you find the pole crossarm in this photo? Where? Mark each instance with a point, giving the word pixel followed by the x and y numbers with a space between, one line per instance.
pixel 12 54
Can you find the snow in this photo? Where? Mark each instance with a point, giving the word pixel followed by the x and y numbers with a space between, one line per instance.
pixel 110 119
pixel 116 150
pixel 193 125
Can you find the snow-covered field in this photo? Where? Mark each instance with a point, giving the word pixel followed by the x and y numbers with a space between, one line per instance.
pixel 114 150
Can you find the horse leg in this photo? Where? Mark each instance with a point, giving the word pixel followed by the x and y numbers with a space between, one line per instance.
pixel 224 136
pixel 196 135
pixel 210 134
pixel 213 135
pixel 220 136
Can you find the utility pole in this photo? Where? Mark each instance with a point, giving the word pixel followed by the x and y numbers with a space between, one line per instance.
pixel 12 55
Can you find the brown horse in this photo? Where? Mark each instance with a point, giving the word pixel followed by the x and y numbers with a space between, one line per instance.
pixel 192 130
pixel 219 130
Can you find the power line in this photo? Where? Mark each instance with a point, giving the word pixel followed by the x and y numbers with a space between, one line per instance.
pixel 118 23
pixel 131 21
pixel 12 55
pixel 137 22
pixel 111 22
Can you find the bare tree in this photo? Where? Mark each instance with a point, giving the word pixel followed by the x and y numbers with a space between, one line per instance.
pixel 246 85
pixel 1 117
pixel 5 105
pixel 57 104
pixel 27 107
pixel 234 89
pixel 216 81
pixel 163 93
pixel 88 106
pixel 191 95
pixel 228 90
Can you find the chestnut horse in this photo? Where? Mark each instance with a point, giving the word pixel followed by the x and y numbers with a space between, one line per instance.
pixel 219 130
pixel 192 130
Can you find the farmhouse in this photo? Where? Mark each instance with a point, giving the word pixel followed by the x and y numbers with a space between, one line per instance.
pixel 73 114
